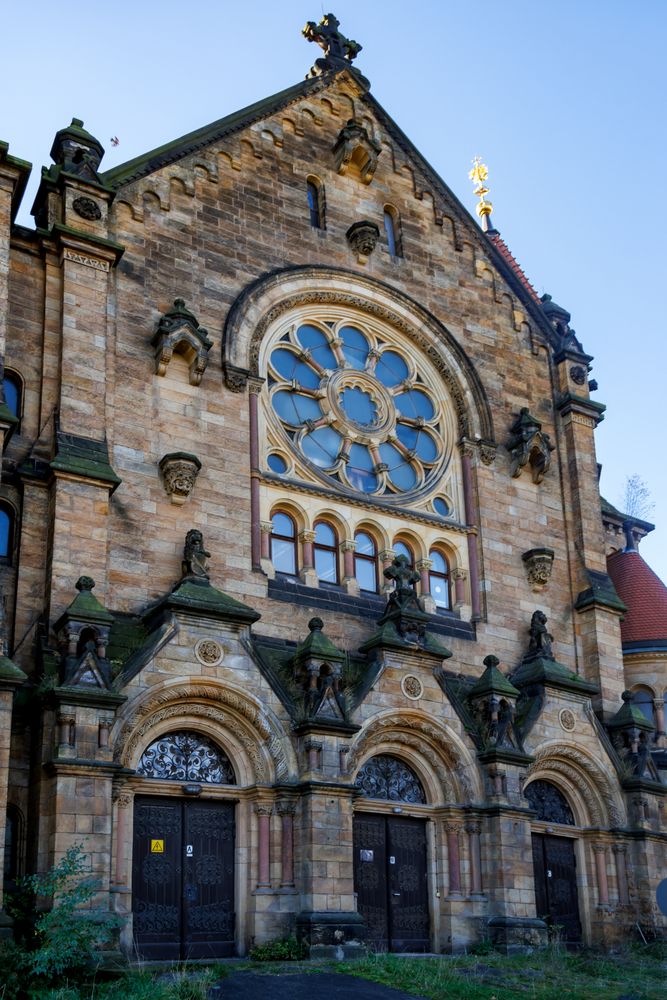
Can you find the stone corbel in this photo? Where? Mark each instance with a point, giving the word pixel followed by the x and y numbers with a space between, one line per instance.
pixel 354 145
pixel 179 330
pixel 528 445
pixel 363 237
pixel 179 472
pixel 538 563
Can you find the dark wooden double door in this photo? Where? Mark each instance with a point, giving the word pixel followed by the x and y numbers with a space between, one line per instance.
pixel 183 879
pixel 390 882
pixel 555 868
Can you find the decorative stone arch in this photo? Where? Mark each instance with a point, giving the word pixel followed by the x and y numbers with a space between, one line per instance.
pixel 410 538
pixel 297 512
pixel 586 786
pixel 265 301
pixel 252 737
pixel 336 520
pixel 439 758
pixel 375 529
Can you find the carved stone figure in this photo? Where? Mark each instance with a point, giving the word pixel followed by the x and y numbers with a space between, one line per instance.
pixel 195 556
pixel 540 639
pixel 179 471
pixel 363 237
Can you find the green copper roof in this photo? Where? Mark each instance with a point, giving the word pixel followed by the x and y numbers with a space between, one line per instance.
pixel 629 716
pixel 317 645
pixel 492 681
pixel 204 598
pixel 9 672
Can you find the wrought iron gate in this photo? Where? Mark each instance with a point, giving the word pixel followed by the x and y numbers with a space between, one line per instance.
pixel 183 879
pixel 555 867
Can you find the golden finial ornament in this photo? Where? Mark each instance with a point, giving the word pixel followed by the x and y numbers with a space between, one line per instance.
pixel 479 175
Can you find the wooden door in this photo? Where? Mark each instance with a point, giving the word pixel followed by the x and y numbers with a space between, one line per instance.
pixel 555 869
pixel 183 879
pixel 390 881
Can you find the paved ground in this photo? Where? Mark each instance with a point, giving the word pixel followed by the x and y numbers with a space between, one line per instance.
pixel 304 986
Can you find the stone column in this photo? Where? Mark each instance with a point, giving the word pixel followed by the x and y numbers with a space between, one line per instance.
pixel 468 499
pixel 620 852
pixel 265 527
pixel 10 678
pixel 454 858
pixel 459 576
pixel 347 547
pixel 473 830
pixel 123 805
pixel 426 601
pixel 386 558
pixel 254 388
pixel 307 572
pixel 659 705
pixel 263 811
pixel 286 811
pixel 600 852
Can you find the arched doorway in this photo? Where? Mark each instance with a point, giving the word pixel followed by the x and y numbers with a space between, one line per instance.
pixel 390 874
pixel 554 861
pixel 183 853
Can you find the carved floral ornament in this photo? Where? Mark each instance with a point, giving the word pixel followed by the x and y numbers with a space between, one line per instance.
pixel 179 472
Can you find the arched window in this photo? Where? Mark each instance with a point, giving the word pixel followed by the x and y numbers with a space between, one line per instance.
pixel 186 756
pixel 365 562
pixel 643 699
pixel 392 231
pixel 439 577
pixel 6 532
pixel 283 543
pixel 325 551
pixel 12 386
pixel 549 803
pixel 315 192
pixel 386 777
pixel 403 549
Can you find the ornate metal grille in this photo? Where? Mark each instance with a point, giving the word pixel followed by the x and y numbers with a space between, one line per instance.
pixel 186 757
pixel 385 777
pixel 549 803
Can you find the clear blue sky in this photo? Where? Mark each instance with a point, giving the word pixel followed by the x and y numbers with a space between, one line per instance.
pixel 564 100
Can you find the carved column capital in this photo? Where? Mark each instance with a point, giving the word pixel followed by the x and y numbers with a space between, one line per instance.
pixel 263 808
pixel 424 564
pixel 266 527
pixel 473 827
pixel 307 536
pixel 348 545
pixel 458 573
pixel 620 848
pixel 286 808
pixel 599 848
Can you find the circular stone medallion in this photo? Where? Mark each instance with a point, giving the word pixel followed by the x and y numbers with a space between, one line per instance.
pixel 567 719
pixel 209 652
pixel 412 687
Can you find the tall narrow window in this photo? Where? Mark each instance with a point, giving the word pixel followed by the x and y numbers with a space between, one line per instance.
pixel 392 231
pixel 439 577
pixel 6 532
pixel 365 562
pixel 643 699
pixel 315 193
pixel 283 543
pixel 325 551
pixel 12 388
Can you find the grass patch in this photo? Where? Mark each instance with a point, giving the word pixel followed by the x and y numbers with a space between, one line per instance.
pixel 639 975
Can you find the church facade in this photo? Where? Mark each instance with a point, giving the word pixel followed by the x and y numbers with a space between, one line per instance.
pixel 308 626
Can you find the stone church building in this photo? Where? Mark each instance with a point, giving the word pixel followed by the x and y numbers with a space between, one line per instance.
pixel 308 620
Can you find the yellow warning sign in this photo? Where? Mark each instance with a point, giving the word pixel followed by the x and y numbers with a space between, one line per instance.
pixel 157 846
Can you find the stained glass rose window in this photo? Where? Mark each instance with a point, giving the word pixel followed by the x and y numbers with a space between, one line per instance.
pixel 358 407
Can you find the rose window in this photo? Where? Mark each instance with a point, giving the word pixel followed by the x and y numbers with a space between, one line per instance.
pixel 359 409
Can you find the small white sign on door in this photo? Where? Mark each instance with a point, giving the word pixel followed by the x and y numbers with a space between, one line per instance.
pixel 189 851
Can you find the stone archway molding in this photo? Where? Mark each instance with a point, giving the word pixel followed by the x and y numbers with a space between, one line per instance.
pixel 434 742
pixel 259 731
pixel 262 303
pixel 579 772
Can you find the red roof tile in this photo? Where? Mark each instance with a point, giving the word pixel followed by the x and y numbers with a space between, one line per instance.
pixel 645 595
pixel 510 259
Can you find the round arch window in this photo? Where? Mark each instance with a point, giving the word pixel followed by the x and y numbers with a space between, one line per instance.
pixel 359 406
pixel 387 777
pixel 549 803
pixel 186 756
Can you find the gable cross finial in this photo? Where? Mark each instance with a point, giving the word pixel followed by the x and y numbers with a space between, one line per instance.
pixel 479 176
pixel 339 51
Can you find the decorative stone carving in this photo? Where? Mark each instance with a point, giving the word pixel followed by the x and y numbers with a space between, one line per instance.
pixel 578 374
pixel 354 145
pixel 567 720
pixel 387 777
pixel 492 701
pixel 179 330
pixel 632 735
pixel 86 208
pixel 363 237
pixel 586 776
pixel 209 652
pixel 538 563
pixel 487 452
pixel 236 379
pixel 528 445
pixel 540 639
pixel 339 51
pixel 194 566
pixel 412 687
pixel 179 471
pixel 186 756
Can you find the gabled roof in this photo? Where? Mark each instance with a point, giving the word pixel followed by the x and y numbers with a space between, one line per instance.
pixel 499 243
pixel 644 593
pixel 154 160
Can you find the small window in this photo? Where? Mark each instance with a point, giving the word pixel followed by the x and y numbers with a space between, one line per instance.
pixel 365 562
pixel 644 701
pixel 401 549
pixel 283 544
pixel 439 577
pixel 12 387
pixel 315 192
pixel 392 231
pixel 277 463
pixel 325 551
pixel 441 507
pixel 6 532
